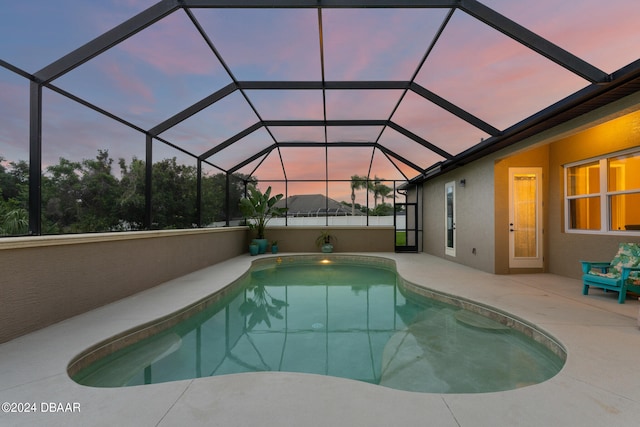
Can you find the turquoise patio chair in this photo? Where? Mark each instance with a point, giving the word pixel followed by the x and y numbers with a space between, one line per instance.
pixel 622 274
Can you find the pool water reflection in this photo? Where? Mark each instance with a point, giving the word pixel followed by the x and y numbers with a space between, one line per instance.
pixel 343 319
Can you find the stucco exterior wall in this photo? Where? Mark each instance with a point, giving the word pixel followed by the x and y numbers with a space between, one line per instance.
pixel 474 205
pixel 482 205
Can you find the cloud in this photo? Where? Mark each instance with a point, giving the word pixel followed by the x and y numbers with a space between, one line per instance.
pixel 269 168
pixel 127 83
pixel 304 163
pixel 375 44
pixel 287 104
pixel 436 125
pixel 346 162
pixel 265 44
pixel 492 76
pixel 607 36
pixel 14 121
pixel 242 150
pixel 298 133
pixel 215 124
pixel 361 104
pixel 134 4
pixel 173 46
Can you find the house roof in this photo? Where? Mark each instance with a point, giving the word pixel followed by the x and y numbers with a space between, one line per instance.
pixel 314 205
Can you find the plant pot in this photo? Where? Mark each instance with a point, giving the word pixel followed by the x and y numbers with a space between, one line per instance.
pixel 327 248
pixel 262 245
pixel 253 249
pixel 274 249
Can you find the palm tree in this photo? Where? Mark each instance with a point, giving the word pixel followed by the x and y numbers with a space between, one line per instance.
pixel 383 191
pixel 14 222
pixel 357 183
pixel 379 190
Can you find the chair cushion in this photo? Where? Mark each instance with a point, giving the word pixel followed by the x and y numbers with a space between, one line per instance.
pixel 610 275
pixel 628 256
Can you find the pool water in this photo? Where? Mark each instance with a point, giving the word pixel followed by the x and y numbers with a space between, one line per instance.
pixel 340 319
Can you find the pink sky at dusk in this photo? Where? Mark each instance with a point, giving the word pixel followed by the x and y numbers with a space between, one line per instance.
pixel 168 67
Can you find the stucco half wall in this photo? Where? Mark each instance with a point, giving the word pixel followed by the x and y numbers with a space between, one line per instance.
pixel 51 278
pixel 348 239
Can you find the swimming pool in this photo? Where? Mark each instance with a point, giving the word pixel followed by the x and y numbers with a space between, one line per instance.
pixel 345 316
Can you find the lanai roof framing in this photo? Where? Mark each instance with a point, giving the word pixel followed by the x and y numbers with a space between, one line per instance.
pixel 600 87
pixel 472 7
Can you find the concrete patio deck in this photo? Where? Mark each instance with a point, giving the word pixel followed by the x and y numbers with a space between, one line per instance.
pixel 599 384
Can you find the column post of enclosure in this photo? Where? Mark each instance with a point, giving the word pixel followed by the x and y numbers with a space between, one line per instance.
pixel 35 159
pixel 148 217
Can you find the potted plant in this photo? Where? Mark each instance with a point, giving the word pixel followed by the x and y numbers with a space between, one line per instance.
pixel 274 247
pixel 259 208
pixel 324 241
pixel 254 248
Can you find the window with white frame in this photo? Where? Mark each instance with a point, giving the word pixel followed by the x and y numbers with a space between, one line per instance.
pixel 603 194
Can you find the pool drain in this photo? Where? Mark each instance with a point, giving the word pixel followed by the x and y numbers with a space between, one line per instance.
pixel 317 325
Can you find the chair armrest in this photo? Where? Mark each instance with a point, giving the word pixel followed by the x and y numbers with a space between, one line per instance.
pixel 626 271
pixel 587 266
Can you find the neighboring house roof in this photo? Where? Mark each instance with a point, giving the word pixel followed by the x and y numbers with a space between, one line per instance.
pixel 314 205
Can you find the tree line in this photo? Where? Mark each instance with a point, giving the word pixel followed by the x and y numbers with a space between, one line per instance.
pixel 100 195
pixel 87 196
